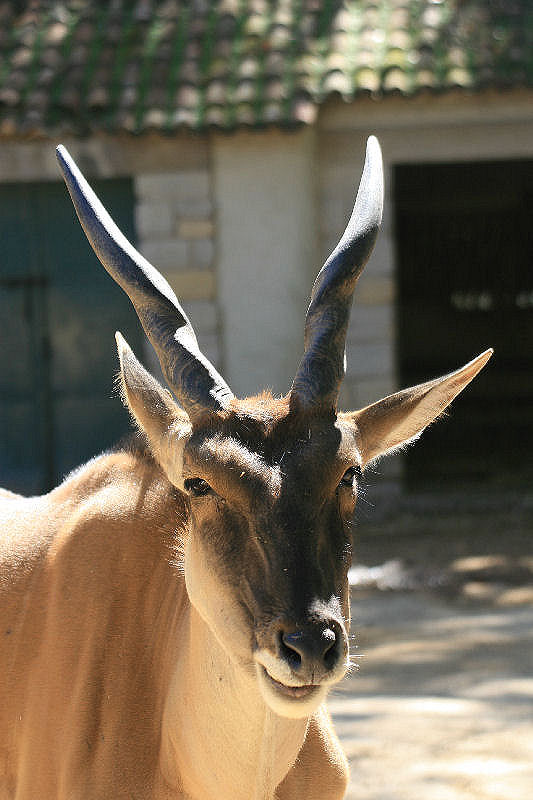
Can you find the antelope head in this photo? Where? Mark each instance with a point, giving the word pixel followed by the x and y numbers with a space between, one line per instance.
pixel 272 483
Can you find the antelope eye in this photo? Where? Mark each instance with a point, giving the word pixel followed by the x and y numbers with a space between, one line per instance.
pixel 197 487
pixel 348 477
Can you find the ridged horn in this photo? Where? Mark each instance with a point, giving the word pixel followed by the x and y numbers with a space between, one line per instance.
pixel 321 370
pixel 191 376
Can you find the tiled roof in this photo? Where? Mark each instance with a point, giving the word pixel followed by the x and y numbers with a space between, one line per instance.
pixel 135 65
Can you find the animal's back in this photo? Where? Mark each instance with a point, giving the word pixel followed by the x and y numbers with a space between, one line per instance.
pixel 89 591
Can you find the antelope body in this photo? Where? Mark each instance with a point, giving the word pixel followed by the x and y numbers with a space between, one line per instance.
pixel 175 612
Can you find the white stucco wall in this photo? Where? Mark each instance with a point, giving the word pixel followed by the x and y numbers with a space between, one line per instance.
pixel 267 255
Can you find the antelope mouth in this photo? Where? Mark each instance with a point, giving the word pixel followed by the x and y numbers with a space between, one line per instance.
pixel 298 692
pixel 292 700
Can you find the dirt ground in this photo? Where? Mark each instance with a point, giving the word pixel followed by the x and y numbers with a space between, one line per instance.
pixel 440 706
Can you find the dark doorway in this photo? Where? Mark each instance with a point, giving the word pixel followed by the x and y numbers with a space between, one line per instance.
pixel 465 256
pixel 59 311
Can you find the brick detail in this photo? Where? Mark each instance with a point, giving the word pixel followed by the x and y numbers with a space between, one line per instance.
pixel 167 254
pixel 187 193
pixel 369 323
pixel 195 229
pixel 176 233
pixel 375 290
pixel 153 219
pixel 374 360
pixel 193 285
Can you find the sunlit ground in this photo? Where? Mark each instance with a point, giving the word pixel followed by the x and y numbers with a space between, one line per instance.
pixel 441 707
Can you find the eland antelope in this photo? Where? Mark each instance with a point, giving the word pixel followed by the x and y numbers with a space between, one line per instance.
pixel 175 612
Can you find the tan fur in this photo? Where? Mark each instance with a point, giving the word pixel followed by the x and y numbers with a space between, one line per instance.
pixel 101 643
pixel 133 664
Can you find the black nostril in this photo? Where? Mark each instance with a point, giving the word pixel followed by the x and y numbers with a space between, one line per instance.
pixel 329 643
pixel 312 645
pixel 290 645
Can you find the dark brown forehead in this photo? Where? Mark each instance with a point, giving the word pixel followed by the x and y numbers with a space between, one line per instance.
pixel 263 439
pixel 268 425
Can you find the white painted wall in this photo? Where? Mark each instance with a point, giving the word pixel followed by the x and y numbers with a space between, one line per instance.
pixel 265 208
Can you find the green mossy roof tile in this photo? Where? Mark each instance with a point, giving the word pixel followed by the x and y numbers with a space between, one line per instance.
pixel 137 65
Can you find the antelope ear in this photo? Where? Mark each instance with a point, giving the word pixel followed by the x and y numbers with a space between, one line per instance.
pixel 155 411
pixel 400 418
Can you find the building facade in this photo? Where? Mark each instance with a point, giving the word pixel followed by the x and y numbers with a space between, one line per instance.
pixel 240 215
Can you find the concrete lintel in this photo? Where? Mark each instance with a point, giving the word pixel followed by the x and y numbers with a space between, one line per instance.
pixel 428 109
pixel 103 156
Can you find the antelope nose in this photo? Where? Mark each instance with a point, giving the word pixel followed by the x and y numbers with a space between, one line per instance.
pixel 311 646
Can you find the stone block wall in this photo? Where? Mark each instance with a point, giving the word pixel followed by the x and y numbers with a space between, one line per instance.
pixel 174 219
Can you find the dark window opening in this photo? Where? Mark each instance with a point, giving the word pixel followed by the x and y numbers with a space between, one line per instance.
pixel 465 272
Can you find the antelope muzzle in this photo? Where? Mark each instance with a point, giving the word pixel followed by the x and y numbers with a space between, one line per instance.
pixel 298 660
